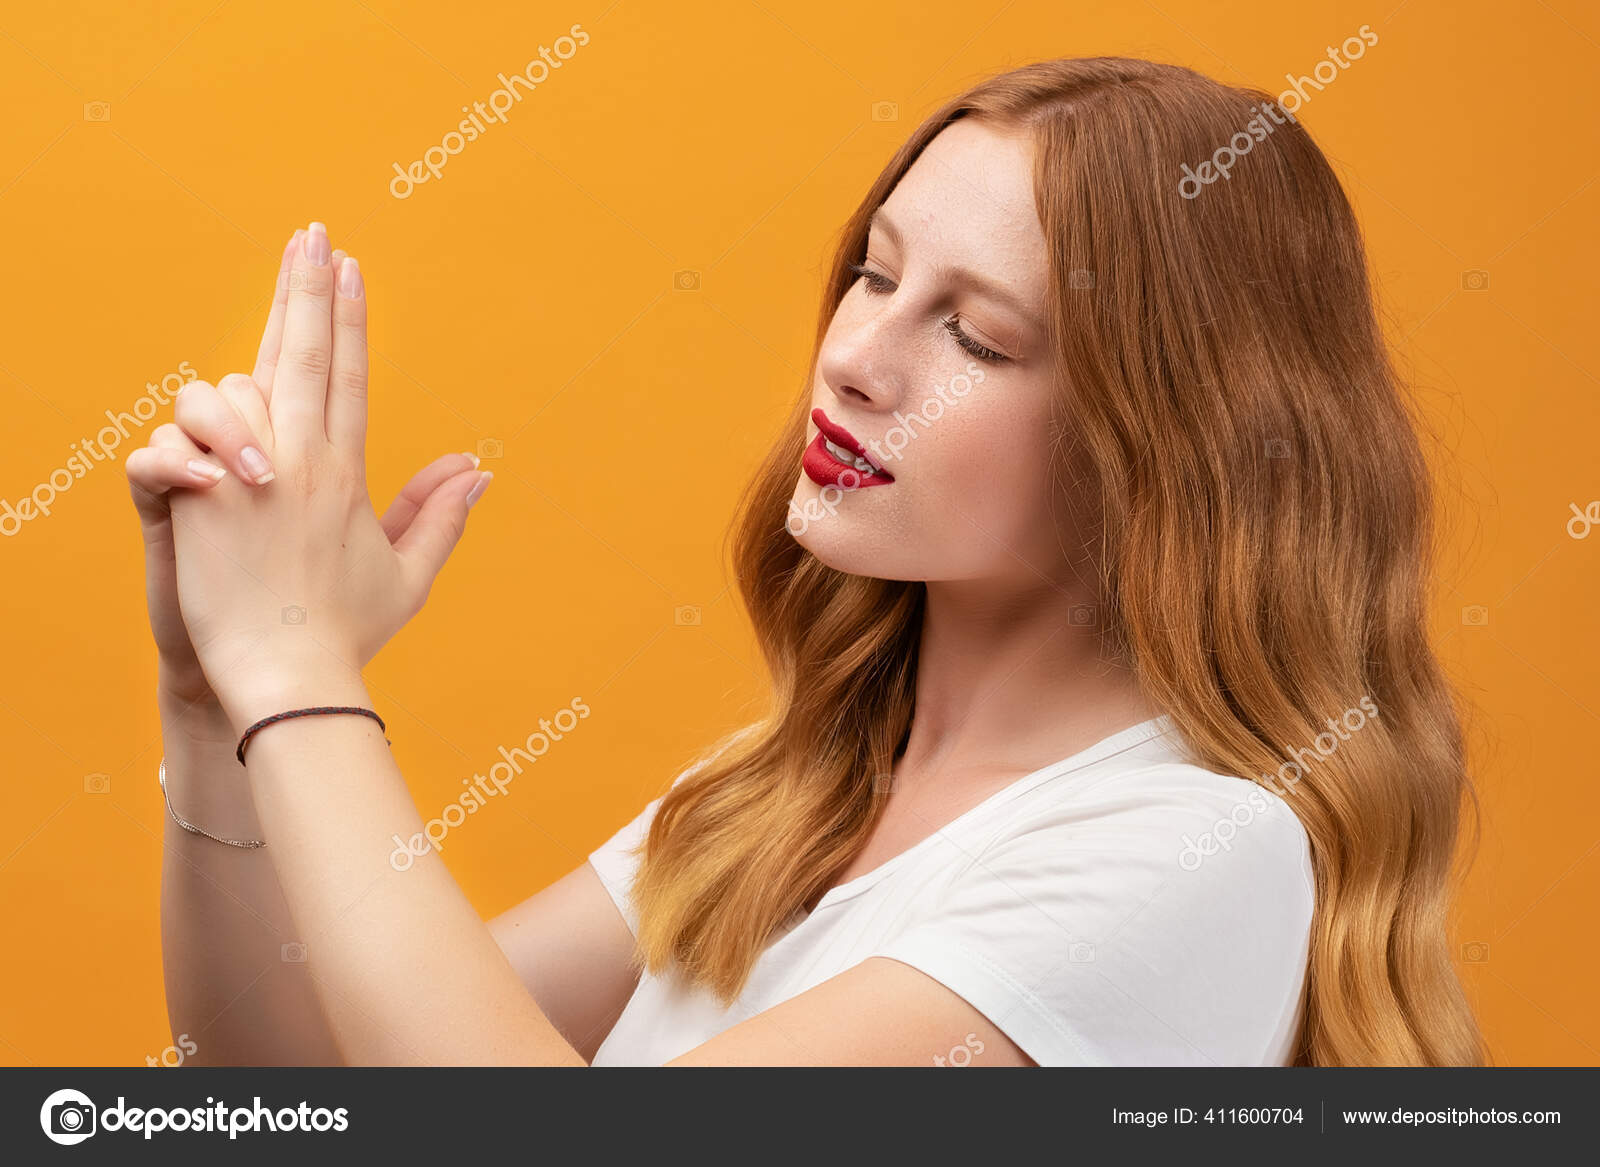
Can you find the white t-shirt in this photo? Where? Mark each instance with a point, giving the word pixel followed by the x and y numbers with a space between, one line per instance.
pixel 1118 907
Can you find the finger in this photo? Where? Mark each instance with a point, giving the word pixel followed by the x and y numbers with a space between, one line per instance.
pixel 206 417
pixel 272 336
pixel 437 529
pixel 153 471
pixel 300 383
pixel 171 437
pixel 397 519
pixel 345 419
pixel 158 469
pixel 250 403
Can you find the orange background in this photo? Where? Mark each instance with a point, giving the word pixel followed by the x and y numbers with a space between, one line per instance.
pixel 528 296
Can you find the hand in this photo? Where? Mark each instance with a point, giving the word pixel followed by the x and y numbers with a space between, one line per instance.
pixel 251 559
pixel 196 459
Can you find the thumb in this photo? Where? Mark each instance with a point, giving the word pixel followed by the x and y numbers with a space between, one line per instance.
pixel 397 519
pixel 437 528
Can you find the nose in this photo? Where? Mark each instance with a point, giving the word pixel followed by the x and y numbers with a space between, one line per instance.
pixel 861 362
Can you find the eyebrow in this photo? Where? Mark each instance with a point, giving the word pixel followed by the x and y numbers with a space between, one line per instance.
pixel 999 292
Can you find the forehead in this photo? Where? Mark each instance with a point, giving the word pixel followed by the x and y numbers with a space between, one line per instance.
pixel 968 200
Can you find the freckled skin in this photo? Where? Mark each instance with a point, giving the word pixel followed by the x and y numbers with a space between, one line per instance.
pixel 972 495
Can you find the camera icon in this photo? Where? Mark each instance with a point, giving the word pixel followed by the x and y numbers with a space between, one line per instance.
pixel 74 1120
pixel 1081 615
pixel 1476 280
pixel 491 448
pixel 97 783
pixel 1081 953
pixel 1080 278
pixel 1277 447
pixel 885 111
pixel 882 783
pixel 1475 952
pixel 687 280
pixel 96 111
pixel 1475 616
pixel 294 614
pixel 297 281
pixel 686 616
pixel 294 953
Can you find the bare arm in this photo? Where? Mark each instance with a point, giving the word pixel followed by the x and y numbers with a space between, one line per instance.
pixel 236 992
pixel 239 991
pixel 573 952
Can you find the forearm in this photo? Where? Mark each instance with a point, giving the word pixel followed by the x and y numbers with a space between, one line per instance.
pixel 407 971
pixel 235 990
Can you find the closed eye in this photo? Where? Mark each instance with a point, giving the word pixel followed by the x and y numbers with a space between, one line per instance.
pixel 875 282
pixel 878 284
pixel 952 325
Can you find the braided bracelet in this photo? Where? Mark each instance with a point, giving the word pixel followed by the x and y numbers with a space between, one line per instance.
pixel 266 721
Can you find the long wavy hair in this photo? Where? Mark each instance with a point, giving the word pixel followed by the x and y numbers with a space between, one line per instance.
pixel 1232 431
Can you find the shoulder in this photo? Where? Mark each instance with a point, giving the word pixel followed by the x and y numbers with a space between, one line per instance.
pixel 1155 809
pixel 1145 912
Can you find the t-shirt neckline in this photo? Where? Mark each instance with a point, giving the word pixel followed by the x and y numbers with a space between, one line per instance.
pixel 1121 740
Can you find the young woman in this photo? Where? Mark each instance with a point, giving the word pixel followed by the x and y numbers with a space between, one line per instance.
pixel 1090 571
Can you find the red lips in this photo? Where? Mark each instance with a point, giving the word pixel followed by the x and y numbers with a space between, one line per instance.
pixel 825 469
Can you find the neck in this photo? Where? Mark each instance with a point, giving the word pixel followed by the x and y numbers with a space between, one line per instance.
pixel 1014 676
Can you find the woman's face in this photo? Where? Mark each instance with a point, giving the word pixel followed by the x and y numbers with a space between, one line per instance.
pixel 928 446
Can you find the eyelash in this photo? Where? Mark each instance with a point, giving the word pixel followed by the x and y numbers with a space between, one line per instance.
pixel 878 284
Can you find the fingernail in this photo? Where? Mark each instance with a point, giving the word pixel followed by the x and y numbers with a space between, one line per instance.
pixel 206 470
pixel 294 242
pixel 316 245
pixel 477 491
pixel 350 279
pixel 256 466
pixel 474 457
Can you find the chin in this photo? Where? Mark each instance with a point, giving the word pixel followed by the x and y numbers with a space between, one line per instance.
pixel 846 537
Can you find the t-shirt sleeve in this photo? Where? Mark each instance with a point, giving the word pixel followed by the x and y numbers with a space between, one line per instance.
pixel 617 859
pixel 1163 925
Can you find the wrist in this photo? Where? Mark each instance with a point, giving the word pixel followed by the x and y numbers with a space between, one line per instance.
pixel 189 718
pixel 181 683
pixel 282 685
pixel 205 783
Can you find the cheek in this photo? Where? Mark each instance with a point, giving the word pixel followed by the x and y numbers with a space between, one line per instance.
pixel 992 459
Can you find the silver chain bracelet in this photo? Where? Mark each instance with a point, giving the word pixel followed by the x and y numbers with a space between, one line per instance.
pixel 161 777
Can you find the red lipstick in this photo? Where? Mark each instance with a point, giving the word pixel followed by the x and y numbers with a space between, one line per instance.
pixel 826 467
